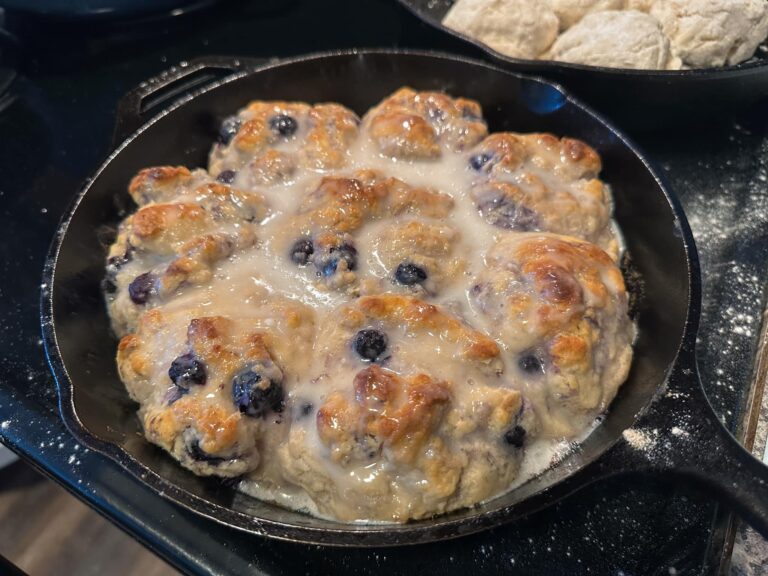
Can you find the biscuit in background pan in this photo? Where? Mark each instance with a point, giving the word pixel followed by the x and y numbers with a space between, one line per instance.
pixel 616 39
pixel 516 28
pixel 711 33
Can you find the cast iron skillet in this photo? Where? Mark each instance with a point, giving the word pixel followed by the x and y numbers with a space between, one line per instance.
pixel 659 422
pixel 641 99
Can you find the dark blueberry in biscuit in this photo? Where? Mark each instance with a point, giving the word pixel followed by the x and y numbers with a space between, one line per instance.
pixel 301 251
pixel 228 129
pixel 283 124
pixel 409 274
pixel 369 445
pixel 226 176
pixel 173 394
pixel 370 344
pixel 305 409
pixel 186 370
pixel 142 288
pixel 117 262
pixel 346 252
pixel 530 364
pixel 255 395
pixel 198 454
pixel 478 161
pixel 108 285
pixel 469 114
pixel 515 436
pixel 436 114
pixel 505 213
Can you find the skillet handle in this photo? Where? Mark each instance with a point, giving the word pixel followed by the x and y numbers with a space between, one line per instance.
pixel 152 95
pixel 681 436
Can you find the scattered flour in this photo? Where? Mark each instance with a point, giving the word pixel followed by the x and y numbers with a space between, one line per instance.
pixel 640 439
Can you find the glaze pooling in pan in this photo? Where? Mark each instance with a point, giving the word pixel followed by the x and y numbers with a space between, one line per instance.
pixel 372 319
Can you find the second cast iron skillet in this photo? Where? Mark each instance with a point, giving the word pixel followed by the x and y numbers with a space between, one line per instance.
pixel 660 422
pixel 640 99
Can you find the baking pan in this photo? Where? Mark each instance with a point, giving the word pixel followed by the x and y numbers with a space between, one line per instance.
pixel 660 422
pixel 637 99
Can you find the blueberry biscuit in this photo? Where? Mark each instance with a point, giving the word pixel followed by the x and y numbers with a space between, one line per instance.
pixel 538 182
pixel 212 388
pixel 416 413
pixel 268 142
pixel 412 124
pixel 333 212
pixel 185 225
pixel 559 307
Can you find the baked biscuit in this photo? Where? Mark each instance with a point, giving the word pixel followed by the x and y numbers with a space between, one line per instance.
pixel 162 183
pixel 267 142
pixel 164 246
pixel 420 256
pixel 411 124
pixel 538 182
pixel 415 412
pixel 212 389
pixel 559 306
pixel 333 212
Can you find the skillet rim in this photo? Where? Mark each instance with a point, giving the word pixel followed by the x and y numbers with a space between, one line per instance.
pixel 376 535
pixel 546 66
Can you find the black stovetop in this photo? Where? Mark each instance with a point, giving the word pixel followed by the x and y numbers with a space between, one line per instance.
pixel 57 130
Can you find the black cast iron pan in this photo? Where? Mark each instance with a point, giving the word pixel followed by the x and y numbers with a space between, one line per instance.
pixel 640 99
pixel 659 423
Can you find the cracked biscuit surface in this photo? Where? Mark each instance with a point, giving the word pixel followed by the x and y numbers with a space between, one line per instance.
pixel 383 322
pixel 416 414
pixel 559 307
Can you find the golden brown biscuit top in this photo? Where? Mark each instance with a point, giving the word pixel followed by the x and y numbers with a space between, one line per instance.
pixel 158 184
pixel 400 412
pixel 547 281
pixel 271 139
pixel 416 315
pixel 565 157
pixel 413 124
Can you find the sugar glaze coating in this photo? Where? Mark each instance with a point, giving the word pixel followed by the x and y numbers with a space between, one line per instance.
pixel 379 319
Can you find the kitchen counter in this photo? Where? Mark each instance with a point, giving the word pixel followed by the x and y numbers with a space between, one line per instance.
pixel 55 129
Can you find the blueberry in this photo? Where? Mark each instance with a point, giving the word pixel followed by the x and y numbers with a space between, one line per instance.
pixel 469 114
pixel 198 454
pixel 410 274
pixel 515 436
pixel 226 176
pixel 142 288
pixel 478 161
pixel 329 267
pixel 503 212
pixel 255 396
pixel 228 129
pixel 173 394
pixel 436 114
pixel 108 285
pixel 305 409
pixel 301 250
pixel 283 124
pixel 530 364
pixel 117 262
pixel 186 370
pixel 345 252
pixel 370 344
